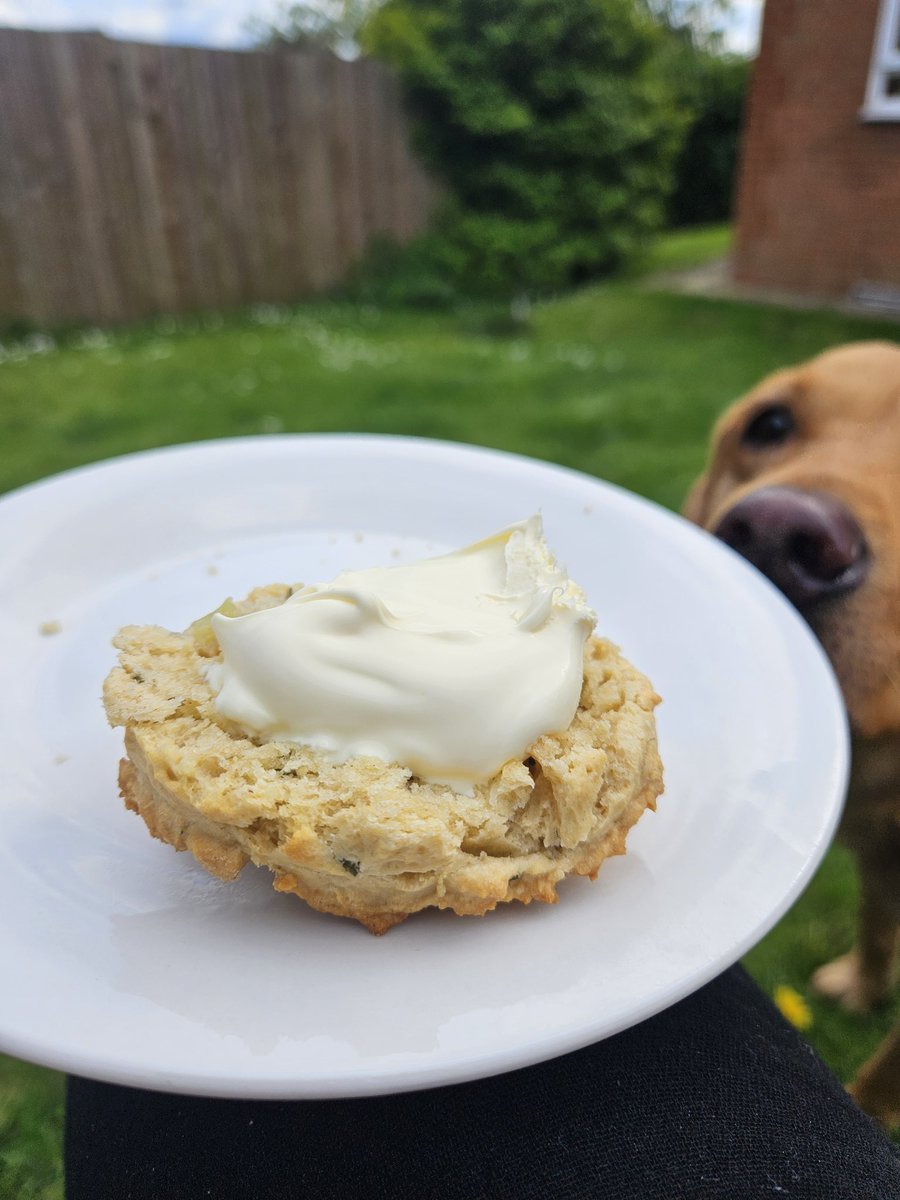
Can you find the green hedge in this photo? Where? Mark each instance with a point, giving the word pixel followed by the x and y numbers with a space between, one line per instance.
pixel 554 126
pixel 713 87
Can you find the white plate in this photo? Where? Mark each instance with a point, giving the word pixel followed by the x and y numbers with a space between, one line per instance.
pixel 126 962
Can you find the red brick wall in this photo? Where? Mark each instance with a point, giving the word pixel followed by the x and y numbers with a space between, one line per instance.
pixel 818 189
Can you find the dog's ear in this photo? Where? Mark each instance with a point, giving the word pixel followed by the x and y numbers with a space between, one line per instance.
pixel 694 506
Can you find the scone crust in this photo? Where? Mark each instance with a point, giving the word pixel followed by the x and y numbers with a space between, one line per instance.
pixel 366 839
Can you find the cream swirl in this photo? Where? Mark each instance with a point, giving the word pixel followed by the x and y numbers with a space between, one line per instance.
pixel 450 666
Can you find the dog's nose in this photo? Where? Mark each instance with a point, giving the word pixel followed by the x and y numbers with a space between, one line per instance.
pixel 808 543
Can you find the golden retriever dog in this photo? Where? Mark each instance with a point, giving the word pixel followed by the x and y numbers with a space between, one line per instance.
pixel 804 481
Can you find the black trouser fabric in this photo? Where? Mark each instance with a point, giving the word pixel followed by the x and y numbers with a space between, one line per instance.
pixel 715 1099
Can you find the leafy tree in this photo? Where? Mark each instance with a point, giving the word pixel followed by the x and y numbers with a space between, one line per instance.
pixel 307 25
pixel 552 123
pixel 713 87
pixel 701 22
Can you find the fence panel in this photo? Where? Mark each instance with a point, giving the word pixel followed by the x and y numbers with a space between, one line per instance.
pixel 137 179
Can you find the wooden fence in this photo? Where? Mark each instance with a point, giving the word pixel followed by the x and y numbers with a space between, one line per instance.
pixel 137 179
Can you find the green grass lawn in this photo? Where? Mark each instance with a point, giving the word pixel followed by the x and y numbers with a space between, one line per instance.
pixel 614 380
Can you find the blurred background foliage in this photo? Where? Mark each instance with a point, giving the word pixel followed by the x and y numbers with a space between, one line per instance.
pixel 713 90
pixel 552 125
pixel 565 133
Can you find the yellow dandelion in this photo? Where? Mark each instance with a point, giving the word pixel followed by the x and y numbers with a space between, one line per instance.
pixel 793 1007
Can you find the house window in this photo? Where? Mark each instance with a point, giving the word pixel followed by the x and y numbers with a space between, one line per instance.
pixel 883 91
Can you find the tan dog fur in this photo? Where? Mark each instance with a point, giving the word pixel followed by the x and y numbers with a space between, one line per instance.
pixel 846 405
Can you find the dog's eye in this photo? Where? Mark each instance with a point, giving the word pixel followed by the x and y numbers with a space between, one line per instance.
pixel 770 427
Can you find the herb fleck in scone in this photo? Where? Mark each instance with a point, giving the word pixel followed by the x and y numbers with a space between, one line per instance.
pixel 364 837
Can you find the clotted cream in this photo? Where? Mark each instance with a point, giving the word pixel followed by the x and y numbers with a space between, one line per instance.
pixel 449 666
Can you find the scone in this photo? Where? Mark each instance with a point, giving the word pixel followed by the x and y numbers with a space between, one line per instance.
pixel 363 837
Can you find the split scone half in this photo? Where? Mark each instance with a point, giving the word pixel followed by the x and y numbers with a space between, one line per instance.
pixel 367 839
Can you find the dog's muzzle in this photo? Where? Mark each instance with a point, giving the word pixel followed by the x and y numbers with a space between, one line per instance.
pixel 808 543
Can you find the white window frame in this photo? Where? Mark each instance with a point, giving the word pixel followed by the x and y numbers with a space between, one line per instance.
pixel 879 106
